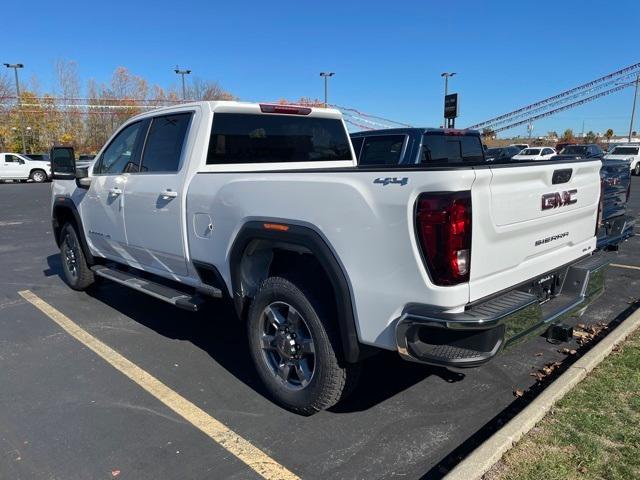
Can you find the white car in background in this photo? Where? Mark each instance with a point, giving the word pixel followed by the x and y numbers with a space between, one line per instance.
pixel 627 152
pixel 14 166
pixel 535 153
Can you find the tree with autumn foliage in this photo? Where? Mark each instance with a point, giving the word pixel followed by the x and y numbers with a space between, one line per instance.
pixel 84 118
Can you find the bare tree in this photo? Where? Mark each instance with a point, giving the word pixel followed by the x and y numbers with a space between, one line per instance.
pixel 207 90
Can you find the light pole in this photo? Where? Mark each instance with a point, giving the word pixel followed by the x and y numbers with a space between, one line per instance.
pixel 326 76
pixel 15 67
pixel 633 109
pixel 182 73
pixel 446 76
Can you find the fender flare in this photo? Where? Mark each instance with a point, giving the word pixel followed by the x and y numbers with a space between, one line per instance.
pixel 66 203
pixel 310 239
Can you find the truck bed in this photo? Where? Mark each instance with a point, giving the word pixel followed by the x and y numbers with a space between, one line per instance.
pixel 366 217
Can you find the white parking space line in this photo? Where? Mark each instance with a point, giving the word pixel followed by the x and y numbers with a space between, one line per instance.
pixel 630 267
pixel 238 446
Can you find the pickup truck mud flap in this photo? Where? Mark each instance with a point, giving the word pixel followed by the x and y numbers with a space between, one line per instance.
pixel 473 337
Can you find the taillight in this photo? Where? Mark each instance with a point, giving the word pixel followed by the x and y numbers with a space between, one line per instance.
pixel 287 109
pixel 443 224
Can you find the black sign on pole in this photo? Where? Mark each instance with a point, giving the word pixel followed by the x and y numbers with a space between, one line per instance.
pixel 451 105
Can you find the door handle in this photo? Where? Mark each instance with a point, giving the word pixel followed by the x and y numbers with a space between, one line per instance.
pixel 115 191
pixel 169 194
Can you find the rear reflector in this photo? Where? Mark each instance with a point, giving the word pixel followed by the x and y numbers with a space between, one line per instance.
pixel 286 109
pixel 443 224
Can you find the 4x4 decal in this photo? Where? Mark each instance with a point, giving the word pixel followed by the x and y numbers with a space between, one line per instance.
pixel 392 180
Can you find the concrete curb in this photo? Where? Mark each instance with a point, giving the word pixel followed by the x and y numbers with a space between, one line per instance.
pixel 480 461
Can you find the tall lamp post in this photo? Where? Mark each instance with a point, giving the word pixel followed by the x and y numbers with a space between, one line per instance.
pixel 183 73
pixel 15 67
pixel 446 76
pixel 326 76
pixel 633 109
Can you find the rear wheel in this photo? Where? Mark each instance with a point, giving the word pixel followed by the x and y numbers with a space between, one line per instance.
pixel 38 176
pixel 295 348
pixel 74 264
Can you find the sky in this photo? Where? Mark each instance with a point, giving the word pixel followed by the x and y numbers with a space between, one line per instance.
pixel 387 56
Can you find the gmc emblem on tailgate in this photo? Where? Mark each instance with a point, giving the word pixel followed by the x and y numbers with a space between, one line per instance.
pixel 558 199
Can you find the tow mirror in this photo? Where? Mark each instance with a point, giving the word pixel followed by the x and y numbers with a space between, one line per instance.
pixel 63 163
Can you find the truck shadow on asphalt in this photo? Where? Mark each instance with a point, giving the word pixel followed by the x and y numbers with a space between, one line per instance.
pixel 217 331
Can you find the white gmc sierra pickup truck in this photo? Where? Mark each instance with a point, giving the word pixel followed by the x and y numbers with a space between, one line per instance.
pixel 446 262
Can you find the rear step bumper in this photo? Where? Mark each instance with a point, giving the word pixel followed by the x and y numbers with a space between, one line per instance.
pixel 475 336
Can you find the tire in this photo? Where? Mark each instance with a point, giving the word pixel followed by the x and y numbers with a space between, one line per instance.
pixel 38 176
pixel 636 170
pixel 76 271
pixel 285 317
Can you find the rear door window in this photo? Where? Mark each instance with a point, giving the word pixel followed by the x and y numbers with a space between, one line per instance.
pixel 255 138
pixel 382 150
pixel 440 149
pixel 163 147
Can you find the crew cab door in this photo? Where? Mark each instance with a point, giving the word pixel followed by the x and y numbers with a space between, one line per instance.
pixel 102 208
pixel 529 220
pixel 154 197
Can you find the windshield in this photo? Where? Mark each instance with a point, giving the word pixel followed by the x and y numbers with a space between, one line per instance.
pixel 625 151
pixel 493 152
pixel 441 148
pixel 531 152
pixel 574 150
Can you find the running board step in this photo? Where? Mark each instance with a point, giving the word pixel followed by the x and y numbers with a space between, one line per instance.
pixel 170 295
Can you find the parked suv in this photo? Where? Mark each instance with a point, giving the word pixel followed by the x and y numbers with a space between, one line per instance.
pixel 587 150
pixel 630 153
pixel 501 154
pixel 444 261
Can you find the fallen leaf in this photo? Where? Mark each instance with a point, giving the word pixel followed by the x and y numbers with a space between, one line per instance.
pixel 539 354
pixel 582 469
pixel 115 473
pixel 518 393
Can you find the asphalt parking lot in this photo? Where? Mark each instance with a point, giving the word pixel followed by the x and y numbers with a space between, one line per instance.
pixel 65 413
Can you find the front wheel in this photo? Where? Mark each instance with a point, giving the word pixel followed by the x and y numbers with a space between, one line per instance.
pixel 295 348
pixel 74 264
pixel 38 176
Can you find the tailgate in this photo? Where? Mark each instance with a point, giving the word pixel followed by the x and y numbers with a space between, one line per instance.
pixel 530 219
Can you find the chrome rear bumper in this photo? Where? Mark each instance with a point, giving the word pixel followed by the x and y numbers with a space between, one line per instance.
pixel 478 334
